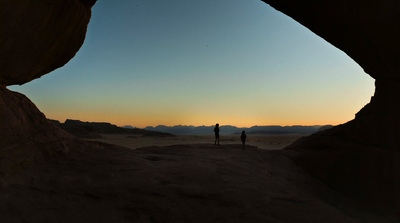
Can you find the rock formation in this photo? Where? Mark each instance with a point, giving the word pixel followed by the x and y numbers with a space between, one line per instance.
pixel 26 136
pixel 36 37
pixel 94 129
pixel 368 32
pixel 360 158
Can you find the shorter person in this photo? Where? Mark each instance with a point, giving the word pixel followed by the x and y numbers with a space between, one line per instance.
pixel 243 138
pixel 216 131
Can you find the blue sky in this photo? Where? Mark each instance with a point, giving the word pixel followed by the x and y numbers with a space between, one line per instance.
pixel 237 62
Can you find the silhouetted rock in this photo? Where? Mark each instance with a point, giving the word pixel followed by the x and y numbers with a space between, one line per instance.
pixel 325 127
pixel 36 38
pixel 365 172
pixel 82 181
pixel 128 127
pixel 88 2
pixel 368 32
pixel 94 129
pixel 26 136
pixel 360 158
pixel 40 36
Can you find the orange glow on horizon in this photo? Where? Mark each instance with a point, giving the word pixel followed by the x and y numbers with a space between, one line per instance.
pixel 155 121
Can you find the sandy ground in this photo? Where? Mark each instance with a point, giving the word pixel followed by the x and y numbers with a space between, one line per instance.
pixel 179 183
pixel 270 142
pixel 176 179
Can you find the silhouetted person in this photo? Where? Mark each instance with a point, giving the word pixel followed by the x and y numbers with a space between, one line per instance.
pixel 243 138
pixel 216 132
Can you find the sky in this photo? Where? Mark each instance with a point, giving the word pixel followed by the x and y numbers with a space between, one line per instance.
pixel 189 62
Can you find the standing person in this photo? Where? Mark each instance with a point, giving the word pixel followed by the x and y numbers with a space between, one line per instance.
pixel 243 138
pixel 216 132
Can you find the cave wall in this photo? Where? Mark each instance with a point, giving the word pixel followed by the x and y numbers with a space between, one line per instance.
pixel 26 136
pixel 36 37
pixel 39 36
pixel 367 31
pixel 360 158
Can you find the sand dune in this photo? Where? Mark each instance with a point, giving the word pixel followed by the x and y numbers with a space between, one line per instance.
pixel 177 183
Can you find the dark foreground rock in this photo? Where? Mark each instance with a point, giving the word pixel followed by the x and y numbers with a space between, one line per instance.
pixel 26 136
pixel 48 175
pixel 185 183
pixel 362 171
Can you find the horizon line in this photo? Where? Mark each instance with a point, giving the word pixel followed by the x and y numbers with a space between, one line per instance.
pixel 188 125
pixel 226 125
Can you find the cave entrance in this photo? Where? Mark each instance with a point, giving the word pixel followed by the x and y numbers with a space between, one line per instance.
pixel 198 63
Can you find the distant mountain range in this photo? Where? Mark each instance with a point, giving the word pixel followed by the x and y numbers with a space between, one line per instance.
pixel 94 129
pixel 228 129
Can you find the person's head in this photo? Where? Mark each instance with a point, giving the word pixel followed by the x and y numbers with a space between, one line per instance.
pixel 217 125
pixel 243 132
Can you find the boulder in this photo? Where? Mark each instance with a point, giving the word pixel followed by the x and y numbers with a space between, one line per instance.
pixel 26 136
pixel 39 36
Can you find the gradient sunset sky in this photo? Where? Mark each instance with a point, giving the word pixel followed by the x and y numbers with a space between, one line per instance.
pixel 190 62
